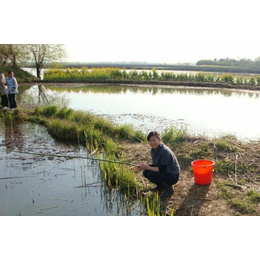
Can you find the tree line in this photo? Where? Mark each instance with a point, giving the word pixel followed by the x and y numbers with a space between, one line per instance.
pixel 39 54
pixel 246 63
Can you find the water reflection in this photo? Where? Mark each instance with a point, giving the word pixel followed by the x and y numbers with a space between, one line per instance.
pixel 44 93
pixel 209 112
pixel 108 89
pixel 34 185
pixel 39 95
pixel 43 99
pixel 14 137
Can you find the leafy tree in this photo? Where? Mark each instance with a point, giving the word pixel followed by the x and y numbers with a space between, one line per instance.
pixel 3 58
pixel 244 63
pixel 14 53
pixel 44 53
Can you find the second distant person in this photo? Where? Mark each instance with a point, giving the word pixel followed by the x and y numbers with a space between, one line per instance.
pixel 12 89
pixel 3 90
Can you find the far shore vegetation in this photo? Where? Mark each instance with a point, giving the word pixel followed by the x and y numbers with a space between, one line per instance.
pixel 117 75
pixel 151 77
pixel 233 63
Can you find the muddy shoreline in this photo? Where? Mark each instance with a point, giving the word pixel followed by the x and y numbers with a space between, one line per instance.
pixel 150 83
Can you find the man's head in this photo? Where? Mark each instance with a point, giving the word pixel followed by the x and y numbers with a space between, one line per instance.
pixel 10 74
pixel 154 139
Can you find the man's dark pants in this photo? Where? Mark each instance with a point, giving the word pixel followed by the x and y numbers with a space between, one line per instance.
pixel 4 100
pixel 12 100
pixel 161 178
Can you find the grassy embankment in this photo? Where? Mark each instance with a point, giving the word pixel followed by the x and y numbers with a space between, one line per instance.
pixel 237 163
pixel 237 166
pixel 115 75
pixel 19 74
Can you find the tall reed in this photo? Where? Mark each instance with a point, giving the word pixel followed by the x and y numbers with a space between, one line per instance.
pixel 101 74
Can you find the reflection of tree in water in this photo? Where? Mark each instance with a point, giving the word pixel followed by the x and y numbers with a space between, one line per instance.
pixel 14 137
pixel 42 97
pixel 108 89
pixel 39 95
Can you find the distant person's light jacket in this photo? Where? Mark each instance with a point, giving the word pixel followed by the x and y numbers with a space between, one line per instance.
pixel 12 86
pixel 3 89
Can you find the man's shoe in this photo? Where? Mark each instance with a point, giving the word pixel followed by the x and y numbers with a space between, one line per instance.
pixel 167 192
pixel 155 188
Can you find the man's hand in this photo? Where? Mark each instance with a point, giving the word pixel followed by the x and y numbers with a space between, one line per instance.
pixel 141 166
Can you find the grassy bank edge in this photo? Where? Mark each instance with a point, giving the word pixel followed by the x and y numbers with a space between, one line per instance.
pixel 154 83
pixel 20 74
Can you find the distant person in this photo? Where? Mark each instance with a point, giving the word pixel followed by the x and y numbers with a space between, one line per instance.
pixel 3 90
pixel 12 89
pixel 164 171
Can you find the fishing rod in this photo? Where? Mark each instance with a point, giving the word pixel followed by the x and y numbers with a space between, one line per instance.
pixel 79 157
pixel 134 136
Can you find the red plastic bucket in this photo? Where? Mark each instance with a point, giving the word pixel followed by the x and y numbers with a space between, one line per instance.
pixel 203 171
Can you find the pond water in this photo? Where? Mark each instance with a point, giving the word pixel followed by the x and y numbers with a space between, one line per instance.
pixel 32 185
pixel 210 112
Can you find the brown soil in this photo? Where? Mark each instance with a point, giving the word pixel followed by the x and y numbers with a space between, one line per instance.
pixel 189 199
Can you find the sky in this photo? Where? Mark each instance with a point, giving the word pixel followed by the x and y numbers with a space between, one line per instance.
pixel 162 53
pixel 170 31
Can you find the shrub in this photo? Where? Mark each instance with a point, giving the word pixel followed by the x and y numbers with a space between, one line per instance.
pixel 174 135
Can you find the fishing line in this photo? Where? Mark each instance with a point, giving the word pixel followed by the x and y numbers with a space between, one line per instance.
pixel 79 157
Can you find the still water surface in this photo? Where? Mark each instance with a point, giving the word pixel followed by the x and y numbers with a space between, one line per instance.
pixel 33 185
pixel 209 112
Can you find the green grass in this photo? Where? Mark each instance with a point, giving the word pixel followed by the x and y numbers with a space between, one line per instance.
pixel 48 111
pixel 96 133
pixel 120 177
pixel 253 196
pixel 153 205
pixel 104 74
pixel 64 130
pixel 174 135
pixel 223 150
pixel 222 145
pixel 19 74
pixel 12 116
pixel 101 124
pixel 244 203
